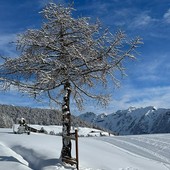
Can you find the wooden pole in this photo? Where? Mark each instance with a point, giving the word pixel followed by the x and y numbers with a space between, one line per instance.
pixel 67 159
pixel 77 155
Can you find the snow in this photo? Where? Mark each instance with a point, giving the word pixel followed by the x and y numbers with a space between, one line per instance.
pixel 42 152
pixel 132 121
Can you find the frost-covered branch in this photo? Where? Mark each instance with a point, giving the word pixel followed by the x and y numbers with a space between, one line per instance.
pixel 67 49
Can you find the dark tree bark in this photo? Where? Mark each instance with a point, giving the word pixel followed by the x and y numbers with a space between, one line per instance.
pixel 66 150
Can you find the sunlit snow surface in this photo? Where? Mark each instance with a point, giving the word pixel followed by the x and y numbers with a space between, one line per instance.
pixel 42 152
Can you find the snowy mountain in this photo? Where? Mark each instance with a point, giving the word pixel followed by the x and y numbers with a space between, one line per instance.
pixel 124 122
pixel 132 121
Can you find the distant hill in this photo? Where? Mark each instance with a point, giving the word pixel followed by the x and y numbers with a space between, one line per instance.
pixel 10 114
pixel 132 121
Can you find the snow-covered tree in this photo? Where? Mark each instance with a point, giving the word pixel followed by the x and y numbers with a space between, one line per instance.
pixel 67 56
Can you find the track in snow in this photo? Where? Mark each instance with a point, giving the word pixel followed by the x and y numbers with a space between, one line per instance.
pixel 155 147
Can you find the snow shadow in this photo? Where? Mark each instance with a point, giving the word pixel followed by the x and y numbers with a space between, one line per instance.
pixel 36 161
pixel 9 132
pixel 9 158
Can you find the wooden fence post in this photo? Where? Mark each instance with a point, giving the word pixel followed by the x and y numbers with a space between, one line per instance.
pixel 72 161
pixel 77 155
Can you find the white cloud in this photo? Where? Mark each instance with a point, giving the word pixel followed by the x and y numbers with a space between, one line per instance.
pixel 129 96
pixel 123 98
pixel 148 71
pixel 166 16
pixel 153 70
pixel 154 96
pixel 142 20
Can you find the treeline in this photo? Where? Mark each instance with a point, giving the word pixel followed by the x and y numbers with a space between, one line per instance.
pixel 11 114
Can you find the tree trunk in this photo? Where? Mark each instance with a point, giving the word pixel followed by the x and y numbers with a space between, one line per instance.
pixel 66 148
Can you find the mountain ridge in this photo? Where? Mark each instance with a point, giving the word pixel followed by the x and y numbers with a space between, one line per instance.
pixel 132 121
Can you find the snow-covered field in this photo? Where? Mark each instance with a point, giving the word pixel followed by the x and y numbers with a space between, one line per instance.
pixel 42 152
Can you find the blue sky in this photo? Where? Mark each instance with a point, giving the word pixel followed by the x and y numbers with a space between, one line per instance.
pixel 147 82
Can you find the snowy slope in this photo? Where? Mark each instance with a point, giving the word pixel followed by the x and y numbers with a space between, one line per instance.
pixel 42 152
pixel 132 121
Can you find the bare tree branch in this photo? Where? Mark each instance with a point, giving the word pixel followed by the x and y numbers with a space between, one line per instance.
pixel 67 49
